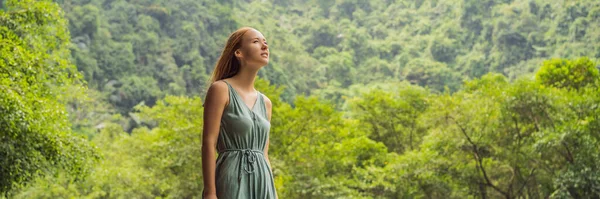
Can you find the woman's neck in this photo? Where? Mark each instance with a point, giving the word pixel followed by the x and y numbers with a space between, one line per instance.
pixel 245 79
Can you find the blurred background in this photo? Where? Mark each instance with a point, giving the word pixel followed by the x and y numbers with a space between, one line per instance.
pixel 371 99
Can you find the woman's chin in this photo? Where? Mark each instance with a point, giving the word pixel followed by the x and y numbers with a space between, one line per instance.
pixel 259 64
pixel 264 62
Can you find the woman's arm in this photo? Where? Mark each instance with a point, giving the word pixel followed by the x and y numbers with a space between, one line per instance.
pixel 269 106
pixel 216 100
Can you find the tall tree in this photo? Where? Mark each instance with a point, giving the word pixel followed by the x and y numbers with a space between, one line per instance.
pixel 35 74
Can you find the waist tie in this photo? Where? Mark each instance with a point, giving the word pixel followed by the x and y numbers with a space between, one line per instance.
pixel 246 161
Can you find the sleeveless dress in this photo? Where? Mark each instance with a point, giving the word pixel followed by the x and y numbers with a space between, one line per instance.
pixel 242 171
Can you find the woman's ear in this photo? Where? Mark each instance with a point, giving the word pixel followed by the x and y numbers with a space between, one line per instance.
pixel 238 53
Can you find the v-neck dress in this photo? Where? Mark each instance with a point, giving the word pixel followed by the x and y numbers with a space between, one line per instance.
pixel 242 171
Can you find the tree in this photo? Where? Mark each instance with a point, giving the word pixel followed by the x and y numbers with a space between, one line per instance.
pixel 510 140
pixel 160 158
pixel 571 74
pixel 392 117
pixel 35 73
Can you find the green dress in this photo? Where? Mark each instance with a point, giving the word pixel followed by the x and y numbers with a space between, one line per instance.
pixel 242 172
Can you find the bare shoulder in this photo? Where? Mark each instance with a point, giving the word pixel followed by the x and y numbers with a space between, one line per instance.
pixel 268 106
pixel 267 101
pixel 218 86
pixel 217 94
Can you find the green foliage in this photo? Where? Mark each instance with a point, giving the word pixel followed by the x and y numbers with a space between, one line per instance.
pixel 35 74
pixel 318 154
pixel 167 45
pixel 392 117
pixel 430 73
pixel 160 162
pixel 325 45
pixel 87 112
pixel 500 139
pixel 573 74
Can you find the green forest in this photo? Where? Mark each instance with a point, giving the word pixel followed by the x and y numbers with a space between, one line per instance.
pixel 371 99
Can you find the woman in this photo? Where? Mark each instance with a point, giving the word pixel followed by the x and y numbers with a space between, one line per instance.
pixel 237 122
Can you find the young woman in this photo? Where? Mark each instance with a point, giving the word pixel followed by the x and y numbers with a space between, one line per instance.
pixel 237 122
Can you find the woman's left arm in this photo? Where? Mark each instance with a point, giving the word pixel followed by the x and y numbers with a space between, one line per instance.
pixel 269 106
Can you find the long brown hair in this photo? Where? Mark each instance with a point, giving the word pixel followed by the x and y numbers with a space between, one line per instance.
pixel 227 66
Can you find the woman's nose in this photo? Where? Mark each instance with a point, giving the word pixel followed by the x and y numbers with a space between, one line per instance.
pixel 265 46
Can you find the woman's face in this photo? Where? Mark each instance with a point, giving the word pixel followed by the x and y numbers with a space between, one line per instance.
pixel 254 49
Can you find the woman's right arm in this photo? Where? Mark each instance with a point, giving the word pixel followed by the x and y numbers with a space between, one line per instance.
pixel 216 100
